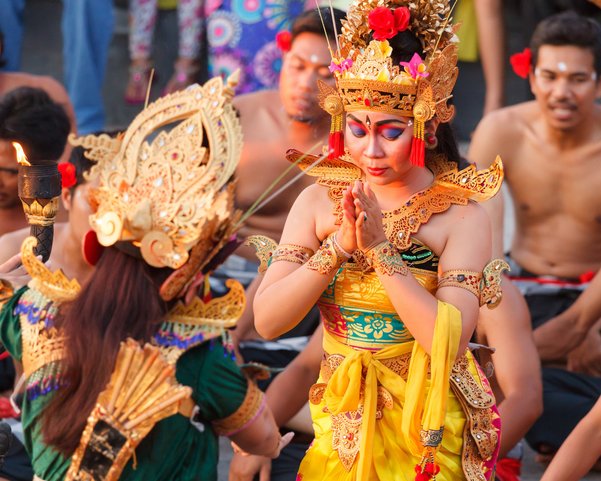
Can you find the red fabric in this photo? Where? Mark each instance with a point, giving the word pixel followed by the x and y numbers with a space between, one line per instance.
pixel 4 355
pixel 521 62
pixel 508 469
pixel 6 409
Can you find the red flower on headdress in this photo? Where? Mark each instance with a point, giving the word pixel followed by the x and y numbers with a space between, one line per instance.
pixel 283 40
pixel 521 62
pixel 386 23
pixel 68 175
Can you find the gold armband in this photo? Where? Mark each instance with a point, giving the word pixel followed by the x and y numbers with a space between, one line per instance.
pixel 486 286
pixel 251 407
pixel 385 259
pixel 468 280
pixel 329 257
pixel 291 253
pixel 6 292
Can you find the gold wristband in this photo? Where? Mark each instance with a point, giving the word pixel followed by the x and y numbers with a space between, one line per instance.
pixel 385 259
pixel 291 253
pixel 327 258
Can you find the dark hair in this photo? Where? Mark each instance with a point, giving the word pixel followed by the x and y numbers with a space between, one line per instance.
pixel 310 22
pixel 82 164
pixel 29 116
pixel 109 309
pixel 568 28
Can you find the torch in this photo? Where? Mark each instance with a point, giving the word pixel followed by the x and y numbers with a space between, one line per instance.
pixel 39 190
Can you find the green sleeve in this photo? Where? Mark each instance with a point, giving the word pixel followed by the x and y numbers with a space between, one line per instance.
pixel 10 326
pixel 219 387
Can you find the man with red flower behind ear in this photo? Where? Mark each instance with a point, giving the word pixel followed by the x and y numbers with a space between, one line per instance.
pixel 550 148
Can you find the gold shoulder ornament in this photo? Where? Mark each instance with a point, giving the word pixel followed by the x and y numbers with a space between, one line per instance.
pixel 190 325
pixel 142 391
pixel 451 187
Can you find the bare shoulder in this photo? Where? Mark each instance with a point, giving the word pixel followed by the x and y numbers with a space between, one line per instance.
pixel 251 103
pixel 50 85
pixel 499 132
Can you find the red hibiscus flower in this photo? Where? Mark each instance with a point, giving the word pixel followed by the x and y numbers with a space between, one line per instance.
pixel 68 176
pixel 521 62
pixel 283 40
pixel 386 23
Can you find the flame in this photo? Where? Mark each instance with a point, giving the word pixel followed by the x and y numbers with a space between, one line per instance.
pixel 21 157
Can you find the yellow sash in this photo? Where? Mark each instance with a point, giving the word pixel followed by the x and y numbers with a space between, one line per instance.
pixel 343 391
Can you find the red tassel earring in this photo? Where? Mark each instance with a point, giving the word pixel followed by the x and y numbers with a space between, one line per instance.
pixel 418 146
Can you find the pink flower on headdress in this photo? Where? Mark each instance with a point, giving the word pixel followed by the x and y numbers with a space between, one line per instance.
pixel 386 23
pixel 415 67
pixel 341 66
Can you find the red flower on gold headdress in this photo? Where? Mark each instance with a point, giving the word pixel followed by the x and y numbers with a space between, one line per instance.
pixel 521 62
pixel 68 175
pixel 283 40
pixel 386 23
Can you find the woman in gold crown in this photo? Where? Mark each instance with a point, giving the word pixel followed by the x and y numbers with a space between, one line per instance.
pixel 393 252
pixel 97 403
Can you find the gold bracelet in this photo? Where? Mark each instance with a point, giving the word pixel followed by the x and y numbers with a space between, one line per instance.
pixel 291 253
pixel 386 260
pixel 468 280
pixel 327 258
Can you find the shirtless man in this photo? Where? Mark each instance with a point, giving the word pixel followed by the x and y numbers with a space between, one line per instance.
pixel 21 109
pixel 550 148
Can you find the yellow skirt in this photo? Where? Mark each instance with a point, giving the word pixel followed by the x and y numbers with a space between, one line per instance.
pixel 338 447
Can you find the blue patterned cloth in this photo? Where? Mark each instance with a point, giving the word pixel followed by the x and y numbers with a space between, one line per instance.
pixel 241 34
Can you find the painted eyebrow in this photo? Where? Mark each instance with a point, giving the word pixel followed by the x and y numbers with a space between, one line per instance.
pixel 381 122
pixel 570 74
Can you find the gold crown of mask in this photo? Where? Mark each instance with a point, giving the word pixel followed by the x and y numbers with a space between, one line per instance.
pixel 367 79
pixel 165 185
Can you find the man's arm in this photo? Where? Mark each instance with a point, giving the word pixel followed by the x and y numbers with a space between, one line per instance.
pixel 491 37
pixel 517 367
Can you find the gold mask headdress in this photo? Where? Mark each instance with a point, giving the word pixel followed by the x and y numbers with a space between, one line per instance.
pixel 367 78
pixel 170 193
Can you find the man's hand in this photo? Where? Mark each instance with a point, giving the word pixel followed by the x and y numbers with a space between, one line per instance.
pixel 586 358
pixel 245 467
pixel 558 336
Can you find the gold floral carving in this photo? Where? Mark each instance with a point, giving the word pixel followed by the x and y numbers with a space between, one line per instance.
pixel 264 247
pixel 54 285
pixel 174 193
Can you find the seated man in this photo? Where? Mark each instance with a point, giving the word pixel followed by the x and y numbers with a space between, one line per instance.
pixel 20 111
pixel 550 148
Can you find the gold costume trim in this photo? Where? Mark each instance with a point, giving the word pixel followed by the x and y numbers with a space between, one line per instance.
pixel 386 260
pixel 486 286
pixel 54 285
pixel 142 391
pixel 264 247
pixel 327 258
pixel 468 280
pixel 251 407
pixel 6 292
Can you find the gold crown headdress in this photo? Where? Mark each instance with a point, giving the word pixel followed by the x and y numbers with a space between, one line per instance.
pixel 367 79
pixel 170 193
